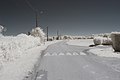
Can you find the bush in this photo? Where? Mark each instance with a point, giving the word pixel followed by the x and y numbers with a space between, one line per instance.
pixel 38 32
pixel 97 41
pixel 102 41
pixel 115 36
pixel 12 47
pixel 106 41
pixel 2 29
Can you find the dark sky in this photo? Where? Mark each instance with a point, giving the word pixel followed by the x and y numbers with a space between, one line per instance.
pixel 72 17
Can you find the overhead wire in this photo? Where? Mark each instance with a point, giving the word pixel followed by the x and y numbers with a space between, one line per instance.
pixel 30 5
pixel 34 9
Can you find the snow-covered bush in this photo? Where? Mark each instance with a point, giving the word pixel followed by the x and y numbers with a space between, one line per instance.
pixel 97 40
pixel 67 37
pixel 102 41
pixel 106 41
pixel 115 36
pixel 2 29
pixel 12 47
pixel 38 32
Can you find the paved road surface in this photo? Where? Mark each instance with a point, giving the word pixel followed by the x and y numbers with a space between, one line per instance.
pixel 65 62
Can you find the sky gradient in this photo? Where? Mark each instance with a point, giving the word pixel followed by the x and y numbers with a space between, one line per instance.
pixel 71 17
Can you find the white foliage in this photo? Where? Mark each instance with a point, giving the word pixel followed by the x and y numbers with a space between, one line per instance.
pixel 107 41
pixel 1 28
pixel 12 48
pixel 97 40
pixel 38 32
pixel 102 40
pixel 67 37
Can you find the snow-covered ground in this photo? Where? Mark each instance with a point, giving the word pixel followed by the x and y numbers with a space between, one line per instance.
pixel 12 47
pixel 81 42
pixel 101 50
pixel 105 52
pixel 18 55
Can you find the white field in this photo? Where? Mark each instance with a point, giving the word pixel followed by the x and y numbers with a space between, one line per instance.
pixel 81 42
pixel 103 52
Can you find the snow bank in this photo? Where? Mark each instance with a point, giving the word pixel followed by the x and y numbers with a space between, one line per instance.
pixel 12 47
pixel 18 55
pixel 102 41
pixel 115 36
pixel 22 67
pixel 105 52
pixel 81 42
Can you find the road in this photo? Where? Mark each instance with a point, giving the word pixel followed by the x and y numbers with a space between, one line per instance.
pixel 64 62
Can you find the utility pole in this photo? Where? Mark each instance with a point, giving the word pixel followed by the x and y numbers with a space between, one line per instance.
pixel 36 13
pixel 47 33
pixel 57 33
pixel 34 10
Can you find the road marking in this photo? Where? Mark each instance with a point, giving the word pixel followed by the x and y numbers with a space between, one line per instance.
pixel 75 53
pixel 68 53
pixel 61 54
pixel 81 53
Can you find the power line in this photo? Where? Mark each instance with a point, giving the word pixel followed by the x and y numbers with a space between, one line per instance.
pixel 33 8
pixel 36 11
pixel 30 5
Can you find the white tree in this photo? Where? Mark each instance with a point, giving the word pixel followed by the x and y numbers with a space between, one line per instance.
pixel 2 29
pixel 38 32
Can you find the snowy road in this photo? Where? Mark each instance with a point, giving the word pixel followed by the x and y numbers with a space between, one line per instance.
pixel 65 62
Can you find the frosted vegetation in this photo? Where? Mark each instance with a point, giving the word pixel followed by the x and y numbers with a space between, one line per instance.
pixel 102 41
pixel 112 39
pixel 1 28
pixel 38 32
pixel 12 47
